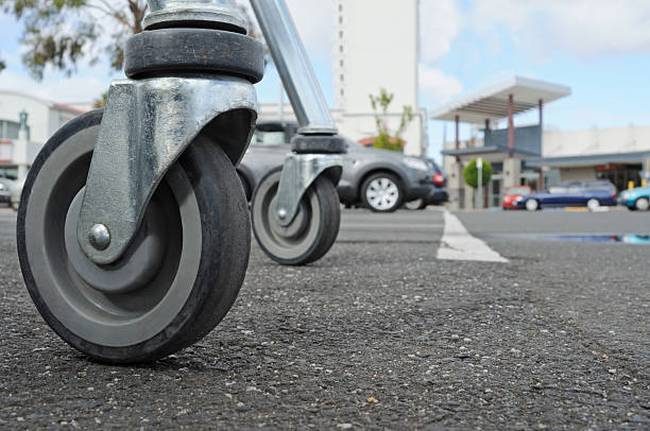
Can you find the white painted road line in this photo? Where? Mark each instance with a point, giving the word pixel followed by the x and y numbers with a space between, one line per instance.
pixel 458 244
pixel 390 226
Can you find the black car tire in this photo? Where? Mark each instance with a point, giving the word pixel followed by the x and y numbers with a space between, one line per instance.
pixel 417 205
pixel 533 205
pixel 642 204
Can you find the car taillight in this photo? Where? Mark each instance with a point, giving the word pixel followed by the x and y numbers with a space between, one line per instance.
pixel 439 180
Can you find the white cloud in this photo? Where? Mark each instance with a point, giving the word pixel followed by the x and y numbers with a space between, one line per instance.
pixel 79 88
pixel 436 87
pixel 586 28
pixel 440 24
pixel 316 22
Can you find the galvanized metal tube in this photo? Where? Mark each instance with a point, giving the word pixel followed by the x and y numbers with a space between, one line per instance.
pixel 294 68
pixel 221 13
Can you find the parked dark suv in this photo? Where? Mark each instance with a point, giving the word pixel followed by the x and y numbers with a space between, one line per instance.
pixel 377 179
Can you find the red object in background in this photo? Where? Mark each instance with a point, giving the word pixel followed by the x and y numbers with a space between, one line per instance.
pixel 439 180
pixel 513 195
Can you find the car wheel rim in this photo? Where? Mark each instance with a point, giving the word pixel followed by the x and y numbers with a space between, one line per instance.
pixel 593 204
pixel 382 194
pixel 531 205
pixel 643 204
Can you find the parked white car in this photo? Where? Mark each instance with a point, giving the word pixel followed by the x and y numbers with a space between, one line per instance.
pixel 16 191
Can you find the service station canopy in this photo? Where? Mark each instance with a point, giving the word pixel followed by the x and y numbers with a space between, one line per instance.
pixel 493 103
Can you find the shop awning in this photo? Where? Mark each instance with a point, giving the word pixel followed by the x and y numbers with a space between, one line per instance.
pixel 492 102
pixel 590 160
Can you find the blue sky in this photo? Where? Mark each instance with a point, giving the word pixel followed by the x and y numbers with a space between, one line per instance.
pixel 598 47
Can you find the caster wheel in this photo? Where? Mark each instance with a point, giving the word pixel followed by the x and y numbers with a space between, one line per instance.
pixel 176 282
pixel 312 233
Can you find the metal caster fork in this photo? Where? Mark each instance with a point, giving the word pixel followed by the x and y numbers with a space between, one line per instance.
pixel 296 210
pixel 133 230
pixel 297 229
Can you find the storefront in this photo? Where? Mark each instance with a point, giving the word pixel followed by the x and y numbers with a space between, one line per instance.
pixel 624 170
pixel 507 149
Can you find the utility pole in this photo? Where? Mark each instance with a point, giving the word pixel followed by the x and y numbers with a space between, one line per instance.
pixel 479 194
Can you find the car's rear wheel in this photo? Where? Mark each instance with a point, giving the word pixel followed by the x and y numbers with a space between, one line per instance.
pixel 642 204
pixel 382 193
pixel 417 205
pixel 532 205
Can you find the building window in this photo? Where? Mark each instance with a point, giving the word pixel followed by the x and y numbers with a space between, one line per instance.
pixel 9 129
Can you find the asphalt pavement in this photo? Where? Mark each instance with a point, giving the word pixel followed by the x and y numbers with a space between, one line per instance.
pixel 380 334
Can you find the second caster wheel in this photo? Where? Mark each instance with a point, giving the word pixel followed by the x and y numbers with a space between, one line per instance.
pixel 313 231
pixel 177 280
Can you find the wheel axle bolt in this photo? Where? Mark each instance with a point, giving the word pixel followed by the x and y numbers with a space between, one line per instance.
pixel 282 213
pixel 99 237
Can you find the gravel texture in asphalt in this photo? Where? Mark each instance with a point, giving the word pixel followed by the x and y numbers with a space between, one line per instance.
pixel 378 335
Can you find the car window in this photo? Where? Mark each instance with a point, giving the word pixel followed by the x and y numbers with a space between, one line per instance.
pixel 519 191
pixel 269 138
pixel 600 186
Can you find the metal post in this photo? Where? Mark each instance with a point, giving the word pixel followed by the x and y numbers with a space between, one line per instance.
pixel 541 185
pixel 281 103
pixel 294 68
pixel 511 125
pixel 222 14
pixel 457 119
pixel 479 193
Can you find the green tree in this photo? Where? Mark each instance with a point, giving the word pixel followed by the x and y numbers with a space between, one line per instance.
pixel 471 173
pixel 61 33
pixel 387 139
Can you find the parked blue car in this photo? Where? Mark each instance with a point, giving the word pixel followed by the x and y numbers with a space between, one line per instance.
pixel 636 199
pixel 590 194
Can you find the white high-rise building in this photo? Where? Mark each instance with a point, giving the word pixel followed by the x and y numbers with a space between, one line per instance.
pixel 378 47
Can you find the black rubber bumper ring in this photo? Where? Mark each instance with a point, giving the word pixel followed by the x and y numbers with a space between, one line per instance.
pixel 191 50
pixel 319 144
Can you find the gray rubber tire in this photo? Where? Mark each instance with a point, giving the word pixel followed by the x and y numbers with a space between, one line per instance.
pixel 393 183
pixel 206 223
pixel 312 233
pixel 193 50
